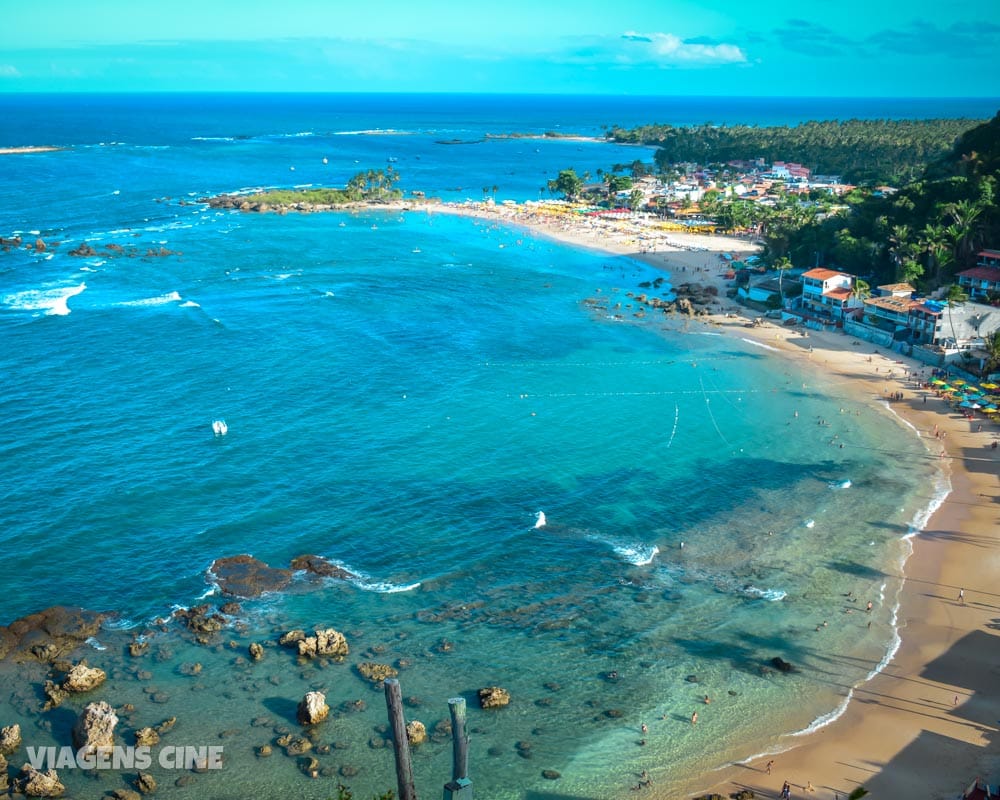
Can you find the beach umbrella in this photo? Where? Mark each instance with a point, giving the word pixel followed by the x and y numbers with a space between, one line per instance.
pixel 939 382
pixel 975 405
pixel 990 386
pixel 958 382
pixel 965 404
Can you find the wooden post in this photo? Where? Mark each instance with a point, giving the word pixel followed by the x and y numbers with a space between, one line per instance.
pixel 400 744
pixel 459 787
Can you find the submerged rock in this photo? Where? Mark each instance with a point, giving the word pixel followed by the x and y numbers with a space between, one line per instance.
pixel 246 576
pixel 48 635
pixel 376 673
pixel 493 697
pixel 145 783
pixel 781 665
pixel 34 783
pixel 317 565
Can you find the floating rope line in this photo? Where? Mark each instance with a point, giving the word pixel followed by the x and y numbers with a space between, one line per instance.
pixel 677 414
pixel 708 407
pixel 665 393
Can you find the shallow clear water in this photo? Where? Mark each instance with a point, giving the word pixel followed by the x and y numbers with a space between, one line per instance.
pixel 404 392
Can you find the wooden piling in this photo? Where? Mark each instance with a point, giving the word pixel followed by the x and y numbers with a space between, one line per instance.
pixel 400 744
pixel 459 787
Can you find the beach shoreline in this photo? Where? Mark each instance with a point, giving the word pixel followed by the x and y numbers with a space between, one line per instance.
pixel 923 724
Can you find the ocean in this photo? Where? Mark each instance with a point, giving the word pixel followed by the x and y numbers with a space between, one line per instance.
pixel 404 393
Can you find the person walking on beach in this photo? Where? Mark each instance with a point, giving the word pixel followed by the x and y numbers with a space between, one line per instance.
pixel 768 765
pixel 961 596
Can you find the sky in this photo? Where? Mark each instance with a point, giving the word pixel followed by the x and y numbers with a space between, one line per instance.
pixel 835 48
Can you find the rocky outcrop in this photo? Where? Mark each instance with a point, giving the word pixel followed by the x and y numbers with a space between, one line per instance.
pixel 10 739
pixel 146 737
pixel 201 620
pixel 49 635
pixel 313 709
pixel 376 673
pixel 781 665
pixel 95 727
pixel 416 732
pixel 83 678
pixel 246 576
pixel 317 565
pixel 34 783
pixel 327 642
pixel 145 783
pixel 493 697
pixel 256 651
pixel 291 638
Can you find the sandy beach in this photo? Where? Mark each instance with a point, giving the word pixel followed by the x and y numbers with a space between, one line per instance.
pixel 927 725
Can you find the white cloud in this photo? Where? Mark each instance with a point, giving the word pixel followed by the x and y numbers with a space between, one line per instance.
pixel 668 48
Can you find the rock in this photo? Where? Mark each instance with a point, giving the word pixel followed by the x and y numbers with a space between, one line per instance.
pixel 166 725
pixel 145 783
pixel 201 619
pixel 137 649
pixel 291 638
pixel 125 794
pixel 317 565
pixel 313 709
pixel 246 576
pixel 49 635
pixel 10 739
pixel 296 746
pixel 328 643
pixel 146 737
pixel 84 250
pixel 493 697
pixel 376 673
pixel 33 783
pixel 781 665
pixel 231 609
pixel 551 775
pixel 95 727
pixel 40 245
pixel 83 678
pixel 416 732
pixel 264 751
pixel 256 651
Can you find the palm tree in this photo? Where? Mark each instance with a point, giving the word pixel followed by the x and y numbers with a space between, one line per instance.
pixel 782 265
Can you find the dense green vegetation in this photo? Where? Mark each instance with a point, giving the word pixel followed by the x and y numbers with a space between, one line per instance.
pixel 860 151
pixel 925 233
pixel 373 186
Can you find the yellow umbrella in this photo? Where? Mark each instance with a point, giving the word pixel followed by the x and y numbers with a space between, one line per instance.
pixel 991 386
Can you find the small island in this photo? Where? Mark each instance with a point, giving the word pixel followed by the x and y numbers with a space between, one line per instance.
pixel 371 187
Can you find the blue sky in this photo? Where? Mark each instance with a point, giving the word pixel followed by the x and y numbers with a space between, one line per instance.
pixel 668 47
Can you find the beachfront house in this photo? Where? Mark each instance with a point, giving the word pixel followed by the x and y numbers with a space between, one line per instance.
pixel 983 280
pixel 828 294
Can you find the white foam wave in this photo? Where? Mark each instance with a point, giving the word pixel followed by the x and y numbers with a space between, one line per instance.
pixel 364 581
pixel 213 139
pixel 844 484
pixel 540 520
pixel 119 624
pixel 760 344
pixel 51 301
pixel 93 642
pixel 635 553
pixel 163 299
pixel 809 523
pixel 190 304
pixel 771 595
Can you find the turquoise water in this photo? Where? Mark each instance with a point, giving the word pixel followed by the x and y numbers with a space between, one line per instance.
pixel 403 393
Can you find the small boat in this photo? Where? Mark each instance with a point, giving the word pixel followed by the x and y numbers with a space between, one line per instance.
pixel 219 427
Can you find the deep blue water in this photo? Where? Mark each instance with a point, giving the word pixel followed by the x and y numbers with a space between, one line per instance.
pixel 403 393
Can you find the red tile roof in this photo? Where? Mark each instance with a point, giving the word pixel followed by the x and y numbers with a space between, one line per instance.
pixel 838 294
pixel 982 273
pixel 822 274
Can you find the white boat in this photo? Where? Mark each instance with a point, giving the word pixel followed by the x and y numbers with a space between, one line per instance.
pixel 219 427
